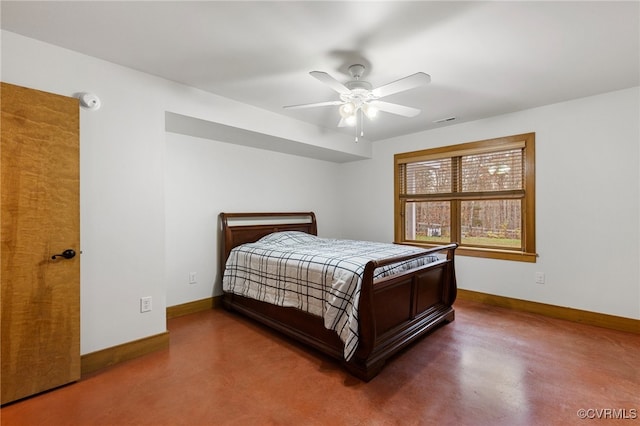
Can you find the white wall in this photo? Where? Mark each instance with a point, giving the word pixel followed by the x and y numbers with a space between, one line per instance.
pixel 206 177
pixel 587 199
pixel 122 172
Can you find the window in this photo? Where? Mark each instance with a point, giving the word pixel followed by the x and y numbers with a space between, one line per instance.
pixel 478 194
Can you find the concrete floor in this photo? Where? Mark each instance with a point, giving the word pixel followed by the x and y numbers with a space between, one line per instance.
pixel 491 366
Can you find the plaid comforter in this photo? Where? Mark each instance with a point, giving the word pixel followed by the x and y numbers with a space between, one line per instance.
pixel 318 275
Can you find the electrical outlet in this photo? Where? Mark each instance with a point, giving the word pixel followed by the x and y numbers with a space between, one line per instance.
pixel 145 304
pixel 192 278
pixel 539 277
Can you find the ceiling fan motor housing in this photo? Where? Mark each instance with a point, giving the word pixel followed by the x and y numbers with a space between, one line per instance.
pixel 358 85
pixel 360 89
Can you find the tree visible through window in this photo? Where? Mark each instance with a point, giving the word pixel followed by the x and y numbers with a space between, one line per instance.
pixel 479 194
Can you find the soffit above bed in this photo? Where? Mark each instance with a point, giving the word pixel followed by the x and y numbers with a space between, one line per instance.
pixel 191 126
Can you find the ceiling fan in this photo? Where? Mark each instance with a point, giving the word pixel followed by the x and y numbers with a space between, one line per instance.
pixel 358 98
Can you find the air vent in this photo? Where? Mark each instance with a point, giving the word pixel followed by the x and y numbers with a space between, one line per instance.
pixel 442 120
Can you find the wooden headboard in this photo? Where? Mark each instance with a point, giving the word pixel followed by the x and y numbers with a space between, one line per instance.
pixel 241 228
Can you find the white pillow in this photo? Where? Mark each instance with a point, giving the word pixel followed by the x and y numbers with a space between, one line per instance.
pixel 285 238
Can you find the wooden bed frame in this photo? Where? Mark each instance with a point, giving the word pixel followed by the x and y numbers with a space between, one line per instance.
pixel 393 312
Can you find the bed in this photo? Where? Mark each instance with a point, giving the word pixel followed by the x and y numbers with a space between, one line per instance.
pixel 363 315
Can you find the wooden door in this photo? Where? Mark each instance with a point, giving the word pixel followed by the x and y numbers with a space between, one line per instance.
pixel 40 218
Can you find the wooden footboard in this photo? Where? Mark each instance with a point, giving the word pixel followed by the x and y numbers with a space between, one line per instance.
pixel 393 311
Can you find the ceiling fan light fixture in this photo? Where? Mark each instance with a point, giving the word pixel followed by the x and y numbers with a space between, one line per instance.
pixel 370 111
pixel 351 120
pixel 347 109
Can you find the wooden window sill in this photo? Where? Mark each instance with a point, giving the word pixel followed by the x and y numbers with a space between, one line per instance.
pixel 486 253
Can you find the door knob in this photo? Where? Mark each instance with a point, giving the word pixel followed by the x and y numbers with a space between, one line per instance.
pixel 67 254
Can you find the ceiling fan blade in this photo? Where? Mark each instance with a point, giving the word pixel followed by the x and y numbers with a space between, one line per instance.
pixel 414 80
pixel 402 110
pixel 313 105
pixel 331 82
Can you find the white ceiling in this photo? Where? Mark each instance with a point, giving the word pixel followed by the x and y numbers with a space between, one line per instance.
pixel 484 58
